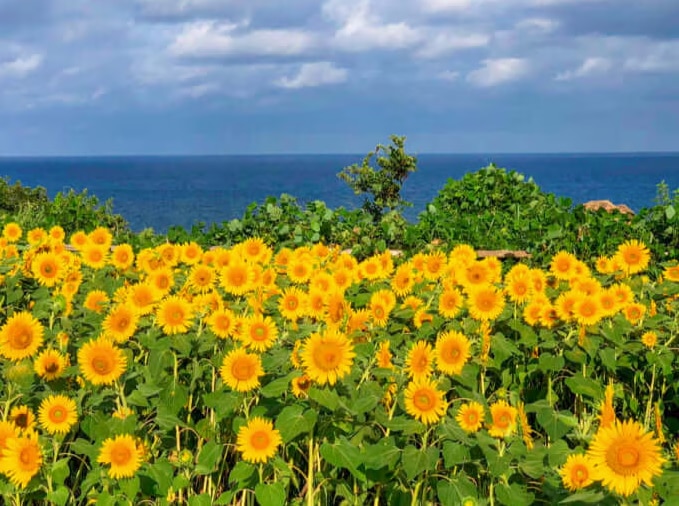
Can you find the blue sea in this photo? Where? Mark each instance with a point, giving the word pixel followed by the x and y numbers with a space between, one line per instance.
pixel 161 191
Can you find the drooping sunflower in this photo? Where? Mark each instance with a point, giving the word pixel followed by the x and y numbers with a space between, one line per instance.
pixel 577 472
pixel 300 385
pixel 101 362
pixel 22 417
pixel 241 370
pixel 259 333
pixel 174 314
pixel 57 414
pixel 50 364
pixel 122 257
pixel 424 401
pixel 470 416
pixel 123 455
pixel 327 357
pixel 222 322
pixel 257 440
pixel 48 268
pixel 450 303
pixel 504 419
pixel 21 459
pixel 485 303
pixel 451 352
pixel 633 255
pixel 384 356
pixel 420 360
pixel 21 336
pixel 625 456
pixel 121 322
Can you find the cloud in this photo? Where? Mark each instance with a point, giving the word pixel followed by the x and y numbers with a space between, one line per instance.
pixel 21 66
pixel 443 43
pixel 216 39
pixel 446 5
pixel 314 74
pixel 544 25
pixel 660 57
pixel 498 71
pixel 591 66
pixel 449 75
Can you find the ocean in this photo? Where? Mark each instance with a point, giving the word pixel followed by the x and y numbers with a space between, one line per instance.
pixel 160 191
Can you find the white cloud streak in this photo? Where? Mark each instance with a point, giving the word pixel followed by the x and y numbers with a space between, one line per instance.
pixel 20 66
pixel 314 74
pixel 498 71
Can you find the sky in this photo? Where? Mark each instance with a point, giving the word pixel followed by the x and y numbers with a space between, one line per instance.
pixel 123 77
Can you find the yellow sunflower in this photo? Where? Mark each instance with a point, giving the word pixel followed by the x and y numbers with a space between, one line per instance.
pixel 470 416
pixel 50 364
pixel 255 249
pixel 57 414
pixel 101 236
pixel 485 303
pixel 101 362
pixel 121 322
pixel 671 272
pixel 424 401
pixel 7 431
pixel 300 385
pixel 259 333
pixel 420 360
pixel 122 257
pixel 143 297
pixel 518 289
pixel 384 356
pixel 22 417
pixel 222 322
pixel 48 268
pixel 191 253
pixel 257 440
pixel 587 310
pixel 577 472
pixel 450 303
pixel 12 232
pixel 403 280
pixel 78 240
pixel 241 370
pixel 451 352
pixel 21 459
pixel 36 236
pixel 634 312
pixel 174 314
pixel 162 279
pixel 96 301
pixel 122 454
pixel 292 303
pixel 563 265
pixel 327 357
pixel 633 256
pixel 504 419
pixel 236 278
pixel 21 336
pixel 649 339
pixel 625 456
pixel 202 278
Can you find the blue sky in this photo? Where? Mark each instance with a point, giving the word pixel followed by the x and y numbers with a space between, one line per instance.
pixel 85 77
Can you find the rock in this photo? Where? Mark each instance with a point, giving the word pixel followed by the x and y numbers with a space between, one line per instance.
pixel 607 205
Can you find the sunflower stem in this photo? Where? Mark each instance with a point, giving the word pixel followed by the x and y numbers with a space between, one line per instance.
pixel 649 404
pixel 310 473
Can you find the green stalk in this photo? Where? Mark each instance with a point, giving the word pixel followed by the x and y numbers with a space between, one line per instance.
pixel 310 473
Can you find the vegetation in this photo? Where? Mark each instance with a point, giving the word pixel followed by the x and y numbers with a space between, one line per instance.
pixel 255 362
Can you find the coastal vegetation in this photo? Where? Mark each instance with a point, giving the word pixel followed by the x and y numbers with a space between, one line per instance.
pixel 291 357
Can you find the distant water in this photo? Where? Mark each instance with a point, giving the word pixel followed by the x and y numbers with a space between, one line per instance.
pixel 162 191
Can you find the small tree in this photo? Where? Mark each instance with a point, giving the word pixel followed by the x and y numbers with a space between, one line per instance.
pixel 383 185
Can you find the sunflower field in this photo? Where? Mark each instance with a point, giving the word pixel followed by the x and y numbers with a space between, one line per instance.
pixel 178 374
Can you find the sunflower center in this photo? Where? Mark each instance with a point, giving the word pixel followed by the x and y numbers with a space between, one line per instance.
pixel 451 354
pixel 623 459
pixel 21 338
pixel 102 365
pixel 379 312
pixel 580 474
pixel 121 455
pixel 21 420
pixel 123 322
pixel 472 418
pixel 291 304
pixel 424 400
pixel 503 420
pixel 327 356
pixel 27 457
pixel 57 414
pixel 48 270
pixel 260 440
pixel 175 316
pixel 51 367
pixel 259 333
pixel 243 370
pixel 485 302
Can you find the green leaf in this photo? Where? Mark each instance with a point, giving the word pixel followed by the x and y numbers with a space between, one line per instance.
pixel 161 472
pixel 293 421
pixel 548 362
pixel 670 212
pixel 241 472
pixel 209 457
pixel 325 397
pixel 586 496
pixel 60 471
pixel 384 453
pixel 455 454
pixel 343 454
pixel 414 461
pixel 59 496
pixel 270 494
pixel 585 386
pixel 556 424
pixel 514 495
pixel 129 487
pixel 200 500
pixel 276 388
pixel 224 403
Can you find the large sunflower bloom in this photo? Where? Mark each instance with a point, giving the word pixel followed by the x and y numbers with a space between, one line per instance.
pixel 174 315
pixel 258 440
pixel 48 268
pixel 50 364
pixel 260 332
pixel 121 322
pixel 101 362
pixel 327 357
pixel 625 456
pixel 21 460
pixel 420 360
pixel 451 352
pixel 424 401
pixel 485 303
pixel 633 256
pixel 123 454
pixel 241 370
pixel 20 336
pixel 504 419
pixel 57 414
pixel 470 416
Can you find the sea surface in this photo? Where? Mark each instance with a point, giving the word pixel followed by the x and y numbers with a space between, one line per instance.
pixel 161 191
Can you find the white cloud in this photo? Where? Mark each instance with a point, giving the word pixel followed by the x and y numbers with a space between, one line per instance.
pixel 543 25
pixel 591 66
pixel 498 71
pixel 660 57
pixel 314 74
pixel 21 66
pixel 361 30
pixel 445 42
pixel 209 38
pixel 447 5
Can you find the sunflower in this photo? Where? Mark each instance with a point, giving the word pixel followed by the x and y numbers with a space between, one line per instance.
pixel 257 440
pixel 121 322
pixel 123 455
pixel 633 255
pixel 321 281
pixel 7 431
pixel 649 339
pixel 259 332
pixel 222 322
pixel 462 254
pixel 143 297
pixel 292 303
pixel 384 356
pixel 671 272
pixel 420 360
pixel 587 310
pixel 22 417
pixel 634 312
pixel 36 236
pixel 101 236
pixel 327 357
pixel 94 256
pixel 371 268
pixel 201 278
pixel 421 316
pixel 236 278
pixel 450 303
pixel 50 364
pixel 21 460
pixel 504 419
pixel 343 278
pixel 300 385
pixel 470 416
pixel 624 456
pixel 57 414
pixel 451 352
pixel 485 303
pixel 241 370
pixel 403 280
pixel 315 307
pixel 608 302
pixel 123 257
pixel 424 401
pixel 475 275
pixel 190 253
pixel 562 265
pixel 518 289
pixel 48 268
pixel 101 362
pixel 174 315
pixel 577 472
pixel 162 279
pixel 96 301
pixel 434 265
pixel 379 312
pixel 20 336
pixel 255 250
pixel 78 240
pixel 282 258
pixel 12 232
